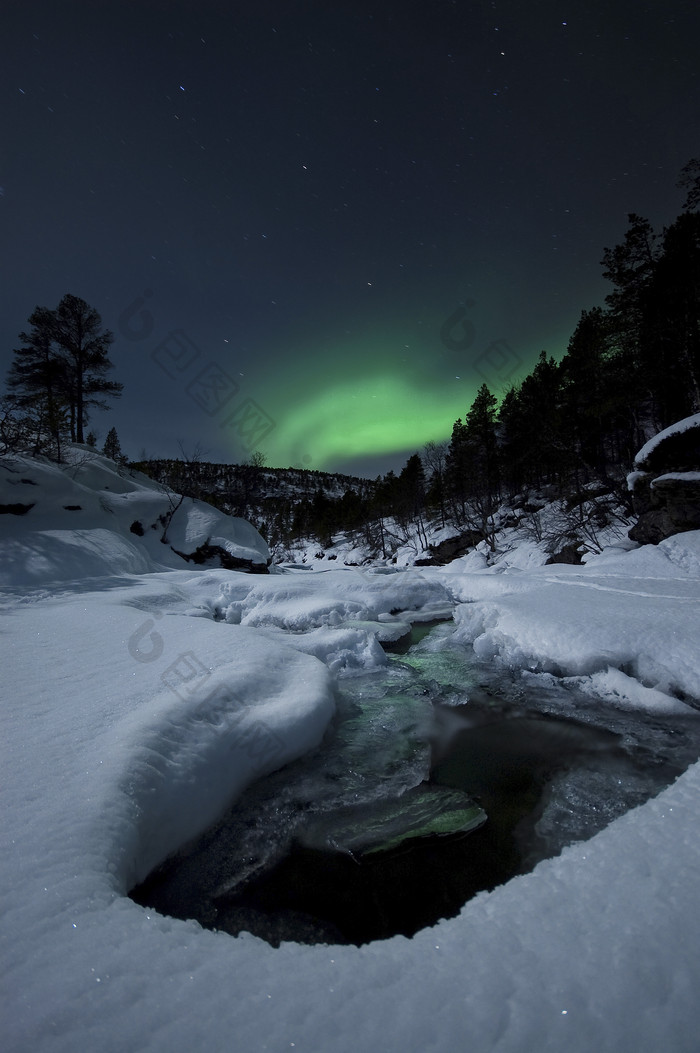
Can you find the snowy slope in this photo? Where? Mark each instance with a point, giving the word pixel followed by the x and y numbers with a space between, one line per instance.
pixel 137 705
pixel 88 517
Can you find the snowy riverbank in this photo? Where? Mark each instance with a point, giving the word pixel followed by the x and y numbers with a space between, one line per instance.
pixel 138 703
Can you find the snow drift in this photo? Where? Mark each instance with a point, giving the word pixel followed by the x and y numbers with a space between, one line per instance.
pixel 88 518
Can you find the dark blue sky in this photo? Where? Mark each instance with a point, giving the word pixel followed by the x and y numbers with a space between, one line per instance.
pixel 317 228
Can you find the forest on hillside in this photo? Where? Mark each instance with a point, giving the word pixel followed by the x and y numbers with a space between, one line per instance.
pixel 570 428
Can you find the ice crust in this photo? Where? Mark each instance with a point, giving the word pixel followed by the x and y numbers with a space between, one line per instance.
pixel 138 704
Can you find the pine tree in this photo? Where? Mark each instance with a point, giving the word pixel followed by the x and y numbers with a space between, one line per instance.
pixel 112 447
pixel 480 435
pixel 37 382
pixel 78 333
pixel 456 469
pixel 690 182
pixel 59 372
pixel 530 443
pixel 434 456
pixel 630 267
pixel 586 395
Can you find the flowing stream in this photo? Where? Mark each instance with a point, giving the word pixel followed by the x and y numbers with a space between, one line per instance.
pixel 440 777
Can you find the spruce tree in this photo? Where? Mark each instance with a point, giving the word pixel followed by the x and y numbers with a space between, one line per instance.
pixel 480 436
pixel 690 182
pixel 112 447
pixel 672 316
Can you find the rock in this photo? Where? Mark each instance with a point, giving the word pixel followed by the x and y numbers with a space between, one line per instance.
pixel 15 509
pixel 665 484
pixel 670 504
pixel 451 548
pixel 218 556
pixel 567 554
pixel 380 826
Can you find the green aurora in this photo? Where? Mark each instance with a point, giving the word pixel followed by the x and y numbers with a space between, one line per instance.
pixel 385 412
pixel 360 417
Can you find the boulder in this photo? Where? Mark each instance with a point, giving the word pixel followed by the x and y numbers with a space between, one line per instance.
pixel 381 826
pixel 452 548
pixel 665 483
pixel 568 554
pixel 217 556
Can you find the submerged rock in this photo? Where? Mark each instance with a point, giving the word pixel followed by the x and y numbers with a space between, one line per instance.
pixel 425 811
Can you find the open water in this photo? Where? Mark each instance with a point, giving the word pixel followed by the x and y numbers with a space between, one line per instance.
pixel 547 766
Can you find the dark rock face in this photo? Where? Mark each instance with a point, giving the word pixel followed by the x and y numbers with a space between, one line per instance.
pixel 451 548
pixel 217 556
pixel 667 506
pixel 16 509
pixel 666 487
pixel 568 554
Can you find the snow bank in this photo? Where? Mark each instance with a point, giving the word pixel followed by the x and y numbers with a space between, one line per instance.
pixel 635 611
pixel 688 477
pixel 146 727
pixel 90 518
pixel 328 597
pixel 104 770
pixel 615 687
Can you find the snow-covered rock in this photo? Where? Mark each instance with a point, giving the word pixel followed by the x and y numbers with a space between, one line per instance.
pixel 89 517
pixel 682 438
pixel 665 483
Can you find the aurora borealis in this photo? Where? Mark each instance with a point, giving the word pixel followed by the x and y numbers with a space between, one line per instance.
pixel 309 193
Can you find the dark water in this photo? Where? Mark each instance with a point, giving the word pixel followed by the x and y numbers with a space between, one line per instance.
pixel 543 779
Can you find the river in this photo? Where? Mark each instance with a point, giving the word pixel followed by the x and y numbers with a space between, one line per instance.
pixel 541 764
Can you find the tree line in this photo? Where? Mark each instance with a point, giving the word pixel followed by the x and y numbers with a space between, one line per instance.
pixel 631 368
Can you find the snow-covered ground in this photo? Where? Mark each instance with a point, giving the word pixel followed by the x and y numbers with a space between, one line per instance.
pixel 140 696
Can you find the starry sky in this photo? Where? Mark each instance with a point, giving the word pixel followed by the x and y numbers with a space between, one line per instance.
pixel 316 229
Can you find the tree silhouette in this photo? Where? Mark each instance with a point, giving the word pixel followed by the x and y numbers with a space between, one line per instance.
pixel 36 380
pixel 59 372
pixel 112 447
pixel 78 333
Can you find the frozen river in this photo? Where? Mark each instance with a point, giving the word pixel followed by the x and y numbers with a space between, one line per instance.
pixel 282 864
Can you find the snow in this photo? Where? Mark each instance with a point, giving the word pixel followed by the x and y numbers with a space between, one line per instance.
pixel 636 611
pixel 79 519
pixel 674 429
pixel 688 477
pixel 624 691
pixel 139 701
pixel 633 478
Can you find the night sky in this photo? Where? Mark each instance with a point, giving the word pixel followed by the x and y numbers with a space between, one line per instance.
pixel 317 228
